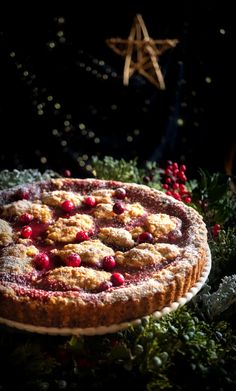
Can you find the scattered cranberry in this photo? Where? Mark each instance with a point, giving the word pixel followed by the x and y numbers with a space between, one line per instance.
pixel 90 201
pixel 165 186
pixel 108 262
pixel 216 230
pixel 168 180
pixel 81 236
pixel 105 285
pixel 73 260
pixel 42 261
pixel 26 218
pixel 145 237
pixel 67 173
pixel 117 279
pixel 26 232
pixel 169 193
pixel 23 194
pixel 120 193
pixel 68 206
pixel 118 208
pixel 183 168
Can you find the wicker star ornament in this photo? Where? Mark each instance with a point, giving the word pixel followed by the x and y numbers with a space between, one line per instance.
pixel 141 53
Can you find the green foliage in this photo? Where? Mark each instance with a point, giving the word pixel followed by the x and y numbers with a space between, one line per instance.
pixel 214 191
pixel 121 170
pixel 16 177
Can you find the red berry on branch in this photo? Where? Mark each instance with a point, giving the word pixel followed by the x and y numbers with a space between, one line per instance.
pixel 216 230
pixel 175 185
pixel 26 232
pixel 68 206
pixel 175 166
pixel 187 200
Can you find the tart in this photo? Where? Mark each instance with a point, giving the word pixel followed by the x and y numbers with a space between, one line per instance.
pixel 81 253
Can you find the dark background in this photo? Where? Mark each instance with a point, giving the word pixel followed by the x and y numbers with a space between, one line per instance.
pixel 62 99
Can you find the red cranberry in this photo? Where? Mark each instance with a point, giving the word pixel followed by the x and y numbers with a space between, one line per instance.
pixel 81 236
pixel 120 193
pixel 182 176
pixel 175 185
pixel 73 260
pixel 26 232
pixel 216 230
pixel 175 166
pixel 23 194
pixel 105 285
pixel 169 193
pixel 182 188
pixel 118 208
pixel 68 206
pixel 165 186
pixel 26 218
pixel 108 262
pixel 42 261
pixel 187 200
pixel 176 195
pixel 90 201
pixel 67 173
pixel 168 171
pixel 168 180
pixel 145 237
pixel 183 168
pixel 117 279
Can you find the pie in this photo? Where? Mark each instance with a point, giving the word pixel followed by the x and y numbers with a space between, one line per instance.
pixel 82 253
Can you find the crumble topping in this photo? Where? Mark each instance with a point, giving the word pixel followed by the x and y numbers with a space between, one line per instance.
pixel 146 254
pixel 160 224
pixel 64 230
pixel 77 277
pixel 103 196
pixel 116 236
pixel 56 197
pixel 91 251
pixel 6 233
pixel 20 251
pixel 37 209
pixel 105 211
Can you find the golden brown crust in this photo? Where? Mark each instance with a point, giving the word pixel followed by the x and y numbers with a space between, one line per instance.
pixel 165 272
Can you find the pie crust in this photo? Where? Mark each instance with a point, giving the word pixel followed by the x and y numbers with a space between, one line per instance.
pixel 158 246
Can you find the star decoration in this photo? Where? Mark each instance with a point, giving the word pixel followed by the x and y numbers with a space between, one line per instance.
pixel 141 53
